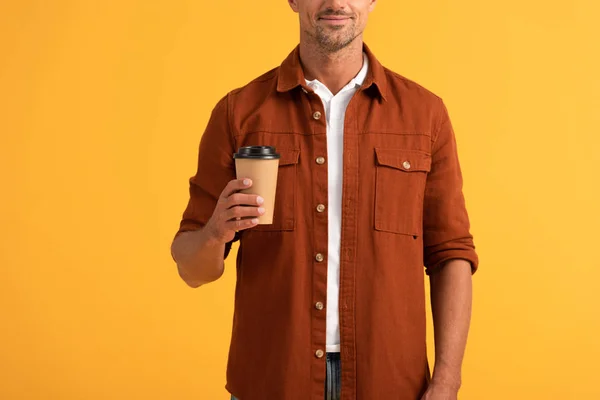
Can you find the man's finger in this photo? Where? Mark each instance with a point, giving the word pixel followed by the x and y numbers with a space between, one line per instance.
pixel 235 186
pixel 242 224
pixel 241 199
pixel 242 212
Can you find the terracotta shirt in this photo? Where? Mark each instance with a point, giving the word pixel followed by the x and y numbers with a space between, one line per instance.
pixel 402 210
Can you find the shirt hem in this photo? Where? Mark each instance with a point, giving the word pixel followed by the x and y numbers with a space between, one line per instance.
pixel 333 348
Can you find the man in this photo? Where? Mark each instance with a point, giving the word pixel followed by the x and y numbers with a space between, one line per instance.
pixel 330 298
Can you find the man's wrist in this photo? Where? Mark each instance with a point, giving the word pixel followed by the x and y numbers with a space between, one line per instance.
pixel 453 386
pixel 446 377
pixel 209 237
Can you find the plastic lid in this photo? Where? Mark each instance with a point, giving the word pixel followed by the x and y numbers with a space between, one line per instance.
pixel 257 153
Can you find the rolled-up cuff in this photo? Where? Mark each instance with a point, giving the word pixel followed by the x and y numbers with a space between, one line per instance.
pixel 461 250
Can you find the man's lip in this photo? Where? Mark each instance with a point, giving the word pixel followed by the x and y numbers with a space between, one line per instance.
pixel 334 17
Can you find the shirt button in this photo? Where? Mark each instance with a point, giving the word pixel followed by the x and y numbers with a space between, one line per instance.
pixel 406 165
pixel 317 115
pixel 320 160
pixel 319 257
pixel 319 306
pixel 319 353
pixel 320 208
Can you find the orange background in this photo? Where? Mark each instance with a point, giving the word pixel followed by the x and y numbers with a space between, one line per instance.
pixel 102 104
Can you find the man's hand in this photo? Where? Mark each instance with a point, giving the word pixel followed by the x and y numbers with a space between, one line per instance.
pixel 234 212
pixel 440 392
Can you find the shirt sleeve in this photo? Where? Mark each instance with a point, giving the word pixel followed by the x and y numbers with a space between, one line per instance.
pixel 215 169
pixel 446 224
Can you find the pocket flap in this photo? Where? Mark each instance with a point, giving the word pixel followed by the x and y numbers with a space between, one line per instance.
pixel 405 160
pixel 288 156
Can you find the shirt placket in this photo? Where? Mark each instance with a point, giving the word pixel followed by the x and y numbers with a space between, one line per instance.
pixel 349 243
pixel 318 124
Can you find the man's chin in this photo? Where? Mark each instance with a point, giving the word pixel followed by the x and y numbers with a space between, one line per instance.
pixel 335 44
pixel 332 48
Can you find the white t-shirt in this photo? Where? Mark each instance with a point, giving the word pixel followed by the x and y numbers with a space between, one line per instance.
pixel 335 111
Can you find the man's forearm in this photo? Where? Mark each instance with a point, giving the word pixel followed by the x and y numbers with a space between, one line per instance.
pixel 199 259
pixel 451 298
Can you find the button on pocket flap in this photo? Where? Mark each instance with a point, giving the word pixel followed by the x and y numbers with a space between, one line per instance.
pixel 288 156
pixel 404 160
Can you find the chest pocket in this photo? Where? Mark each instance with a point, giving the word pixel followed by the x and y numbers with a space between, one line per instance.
pixel 284 213
pixel 400 190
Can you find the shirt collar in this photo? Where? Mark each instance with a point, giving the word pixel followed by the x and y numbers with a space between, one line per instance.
pixel 356 82
pixel 359 79
pixel 373 73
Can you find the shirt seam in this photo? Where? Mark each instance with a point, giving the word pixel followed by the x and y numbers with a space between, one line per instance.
pixel 269 131
pixel 229 121
pixel 428 134
pixel 442 121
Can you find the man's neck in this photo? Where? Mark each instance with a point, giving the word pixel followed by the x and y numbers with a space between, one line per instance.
pixel 334 70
